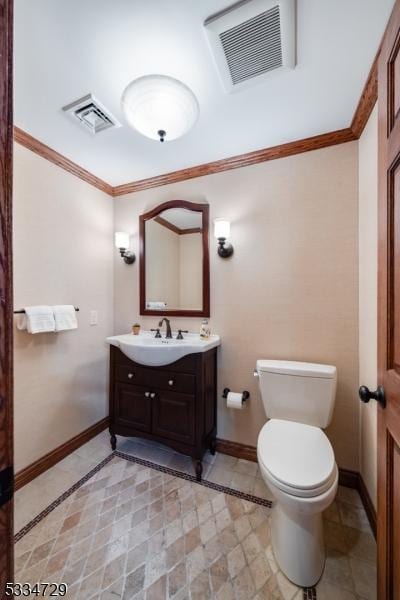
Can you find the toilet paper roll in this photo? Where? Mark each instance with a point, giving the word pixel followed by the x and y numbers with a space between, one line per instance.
pixel 235 400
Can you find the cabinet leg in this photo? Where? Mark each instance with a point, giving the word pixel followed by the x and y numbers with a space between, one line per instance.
pixel 199 469
pixel 113 441
pixel 213 447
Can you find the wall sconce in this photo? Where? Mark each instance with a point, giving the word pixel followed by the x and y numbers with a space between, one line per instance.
pixel 222 228
pixel 122 243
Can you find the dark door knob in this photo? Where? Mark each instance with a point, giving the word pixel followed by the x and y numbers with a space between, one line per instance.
pixel 366 395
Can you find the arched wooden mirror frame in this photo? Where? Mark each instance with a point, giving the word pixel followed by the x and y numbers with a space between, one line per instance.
pixel 202 208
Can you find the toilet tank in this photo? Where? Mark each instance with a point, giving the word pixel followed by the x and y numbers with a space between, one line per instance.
pixel 298 391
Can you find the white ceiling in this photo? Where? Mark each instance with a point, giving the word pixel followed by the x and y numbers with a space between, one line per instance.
pixel 65 49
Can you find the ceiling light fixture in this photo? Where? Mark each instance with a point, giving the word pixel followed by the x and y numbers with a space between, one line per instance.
pixel 160 107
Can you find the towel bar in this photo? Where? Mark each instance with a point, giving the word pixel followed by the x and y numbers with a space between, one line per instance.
pixel 21 311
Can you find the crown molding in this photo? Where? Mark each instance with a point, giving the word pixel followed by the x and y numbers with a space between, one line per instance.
pixel 367 101
pixel 243 160
pixel 362 113
pixel 28 141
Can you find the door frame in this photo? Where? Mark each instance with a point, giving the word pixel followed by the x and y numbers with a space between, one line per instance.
pixel 388 370
pixel 6 287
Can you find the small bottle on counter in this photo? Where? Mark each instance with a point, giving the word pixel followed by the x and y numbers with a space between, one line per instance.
pixel 136 329
pixel 205 330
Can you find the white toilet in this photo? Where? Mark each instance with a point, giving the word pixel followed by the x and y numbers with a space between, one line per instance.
pixel 297 461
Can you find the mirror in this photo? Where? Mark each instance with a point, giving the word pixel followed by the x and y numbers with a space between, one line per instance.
pixel 174 260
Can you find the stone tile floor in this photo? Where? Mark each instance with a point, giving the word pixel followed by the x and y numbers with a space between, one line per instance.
pixel 102 556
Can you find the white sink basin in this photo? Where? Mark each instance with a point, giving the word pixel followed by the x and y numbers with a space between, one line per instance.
pixel 145 349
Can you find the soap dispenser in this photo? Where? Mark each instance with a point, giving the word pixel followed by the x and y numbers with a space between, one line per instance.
pixel 205 330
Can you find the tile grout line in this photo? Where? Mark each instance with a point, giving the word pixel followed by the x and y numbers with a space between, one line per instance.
pixel 308 593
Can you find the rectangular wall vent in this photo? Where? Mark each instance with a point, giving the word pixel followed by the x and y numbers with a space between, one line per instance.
pixel 91 113
pixel 251 39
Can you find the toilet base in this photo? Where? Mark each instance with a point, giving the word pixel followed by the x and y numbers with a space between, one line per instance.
pixel 298 544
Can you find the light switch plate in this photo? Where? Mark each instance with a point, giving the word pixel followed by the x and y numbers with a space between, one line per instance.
pixel 94 317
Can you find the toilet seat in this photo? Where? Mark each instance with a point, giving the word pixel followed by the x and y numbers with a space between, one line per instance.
pixel 297 458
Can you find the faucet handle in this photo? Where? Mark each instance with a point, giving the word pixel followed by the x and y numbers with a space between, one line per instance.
pixel 158 334
pixel 180 331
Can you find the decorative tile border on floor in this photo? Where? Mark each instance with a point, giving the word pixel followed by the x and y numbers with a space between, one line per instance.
pixel 209 484
pixel 145 463
pixel 308 593
pixel 27 528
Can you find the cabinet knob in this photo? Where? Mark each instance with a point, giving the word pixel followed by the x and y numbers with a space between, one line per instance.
pixel 171 382
pixel 130 375
pixel 147 394
pixel 152 395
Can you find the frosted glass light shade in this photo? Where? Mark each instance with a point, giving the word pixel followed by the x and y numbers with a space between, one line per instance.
pixel 222 228
pixel 121 239
pixel 157 103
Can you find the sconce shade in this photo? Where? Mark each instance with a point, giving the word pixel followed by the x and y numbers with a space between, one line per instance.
pixel 121 239
pixel 222 228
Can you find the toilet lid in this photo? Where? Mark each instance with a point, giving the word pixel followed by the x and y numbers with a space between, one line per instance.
pixel 296 455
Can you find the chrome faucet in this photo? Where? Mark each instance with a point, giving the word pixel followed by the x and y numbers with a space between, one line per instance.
pixel 168 335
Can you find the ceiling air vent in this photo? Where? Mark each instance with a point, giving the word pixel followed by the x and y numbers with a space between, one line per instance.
pixel 91 113
pixel 251 39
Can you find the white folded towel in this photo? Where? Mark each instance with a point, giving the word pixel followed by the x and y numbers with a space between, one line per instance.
pixel 65 317
pixel 156 305
pixel 37 319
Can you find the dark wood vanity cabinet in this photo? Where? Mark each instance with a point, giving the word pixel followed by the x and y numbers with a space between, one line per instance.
pixel 174 404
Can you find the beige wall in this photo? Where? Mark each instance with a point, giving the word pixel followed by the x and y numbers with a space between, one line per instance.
pixel 63 254
pixel 291 288
pixel 368 269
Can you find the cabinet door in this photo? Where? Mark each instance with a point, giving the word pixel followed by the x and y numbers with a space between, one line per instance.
pixel 173 416
pixel 132 406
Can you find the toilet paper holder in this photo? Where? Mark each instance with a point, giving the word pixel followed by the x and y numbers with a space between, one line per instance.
pixel 245 394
